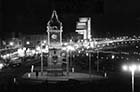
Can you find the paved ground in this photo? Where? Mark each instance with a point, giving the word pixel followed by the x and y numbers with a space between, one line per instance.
pixel 115 82
pixel 74 75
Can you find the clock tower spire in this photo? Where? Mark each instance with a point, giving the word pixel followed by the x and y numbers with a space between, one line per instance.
pixel 54 30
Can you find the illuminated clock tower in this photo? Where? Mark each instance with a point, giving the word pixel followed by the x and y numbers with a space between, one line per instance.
pixel 54 30
pixel 54 60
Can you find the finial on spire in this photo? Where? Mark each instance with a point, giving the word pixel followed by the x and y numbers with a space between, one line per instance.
pixel 54 14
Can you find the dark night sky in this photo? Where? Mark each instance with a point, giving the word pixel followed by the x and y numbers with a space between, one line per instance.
pixel 31 16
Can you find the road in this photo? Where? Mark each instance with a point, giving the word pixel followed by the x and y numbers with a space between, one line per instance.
pixel 8 73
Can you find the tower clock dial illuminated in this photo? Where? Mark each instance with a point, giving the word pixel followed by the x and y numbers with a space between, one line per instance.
pixel 54 36
pixel 54 29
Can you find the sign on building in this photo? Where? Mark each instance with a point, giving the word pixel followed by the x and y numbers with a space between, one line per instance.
pixel 83 26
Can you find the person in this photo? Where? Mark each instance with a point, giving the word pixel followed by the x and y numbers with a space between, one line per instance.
pixel 32 68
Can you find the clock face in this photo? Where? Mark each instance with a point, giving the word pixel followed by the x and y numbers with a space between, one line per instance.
pixel 54 36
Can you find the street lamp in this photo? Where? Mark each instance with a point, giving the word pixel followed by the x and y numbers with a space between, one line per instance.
pixel 132 68
pixel 41 58
pixel 27 42
pixel 89 54
pixel 89 63
pixel 70 49
pixel 11 43
pixel 112 57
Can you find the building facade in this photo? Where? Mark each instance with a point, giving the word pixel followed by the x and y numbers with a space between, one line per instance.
pixel 34 40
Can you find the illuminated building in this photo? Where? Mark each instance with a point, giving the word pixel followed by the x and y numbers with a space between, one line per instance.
pixel 33 39
pixel 84 27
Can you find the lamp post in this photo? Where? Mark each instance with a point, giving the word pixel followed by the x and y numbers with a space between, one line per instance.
pixel 67 66
pixel 97 61
pixel 132 68
pixel 70 59
pixel 112 57
pixel 70 49
pixel 89 65
pixel 41 60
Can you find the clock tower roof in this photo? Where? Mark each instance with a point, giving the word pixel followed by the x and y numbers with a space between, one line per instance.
pixel 54 22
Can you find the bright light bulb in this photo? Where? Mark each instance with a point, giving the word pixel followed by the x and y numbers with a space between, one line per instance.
pixel 11 43
pixel 64 48
pixel 70 48
pixel 113 57
pixel 132 67
pixel 44 41
pixel 38 48
pixel 24 48
pixel 124 67
pixel 86 54
pixel 1 65
pixel 28 42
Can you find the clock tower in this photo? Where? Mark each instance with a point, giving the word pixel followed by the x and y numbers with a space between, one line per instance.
pixel 54 30
pixel 55 59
